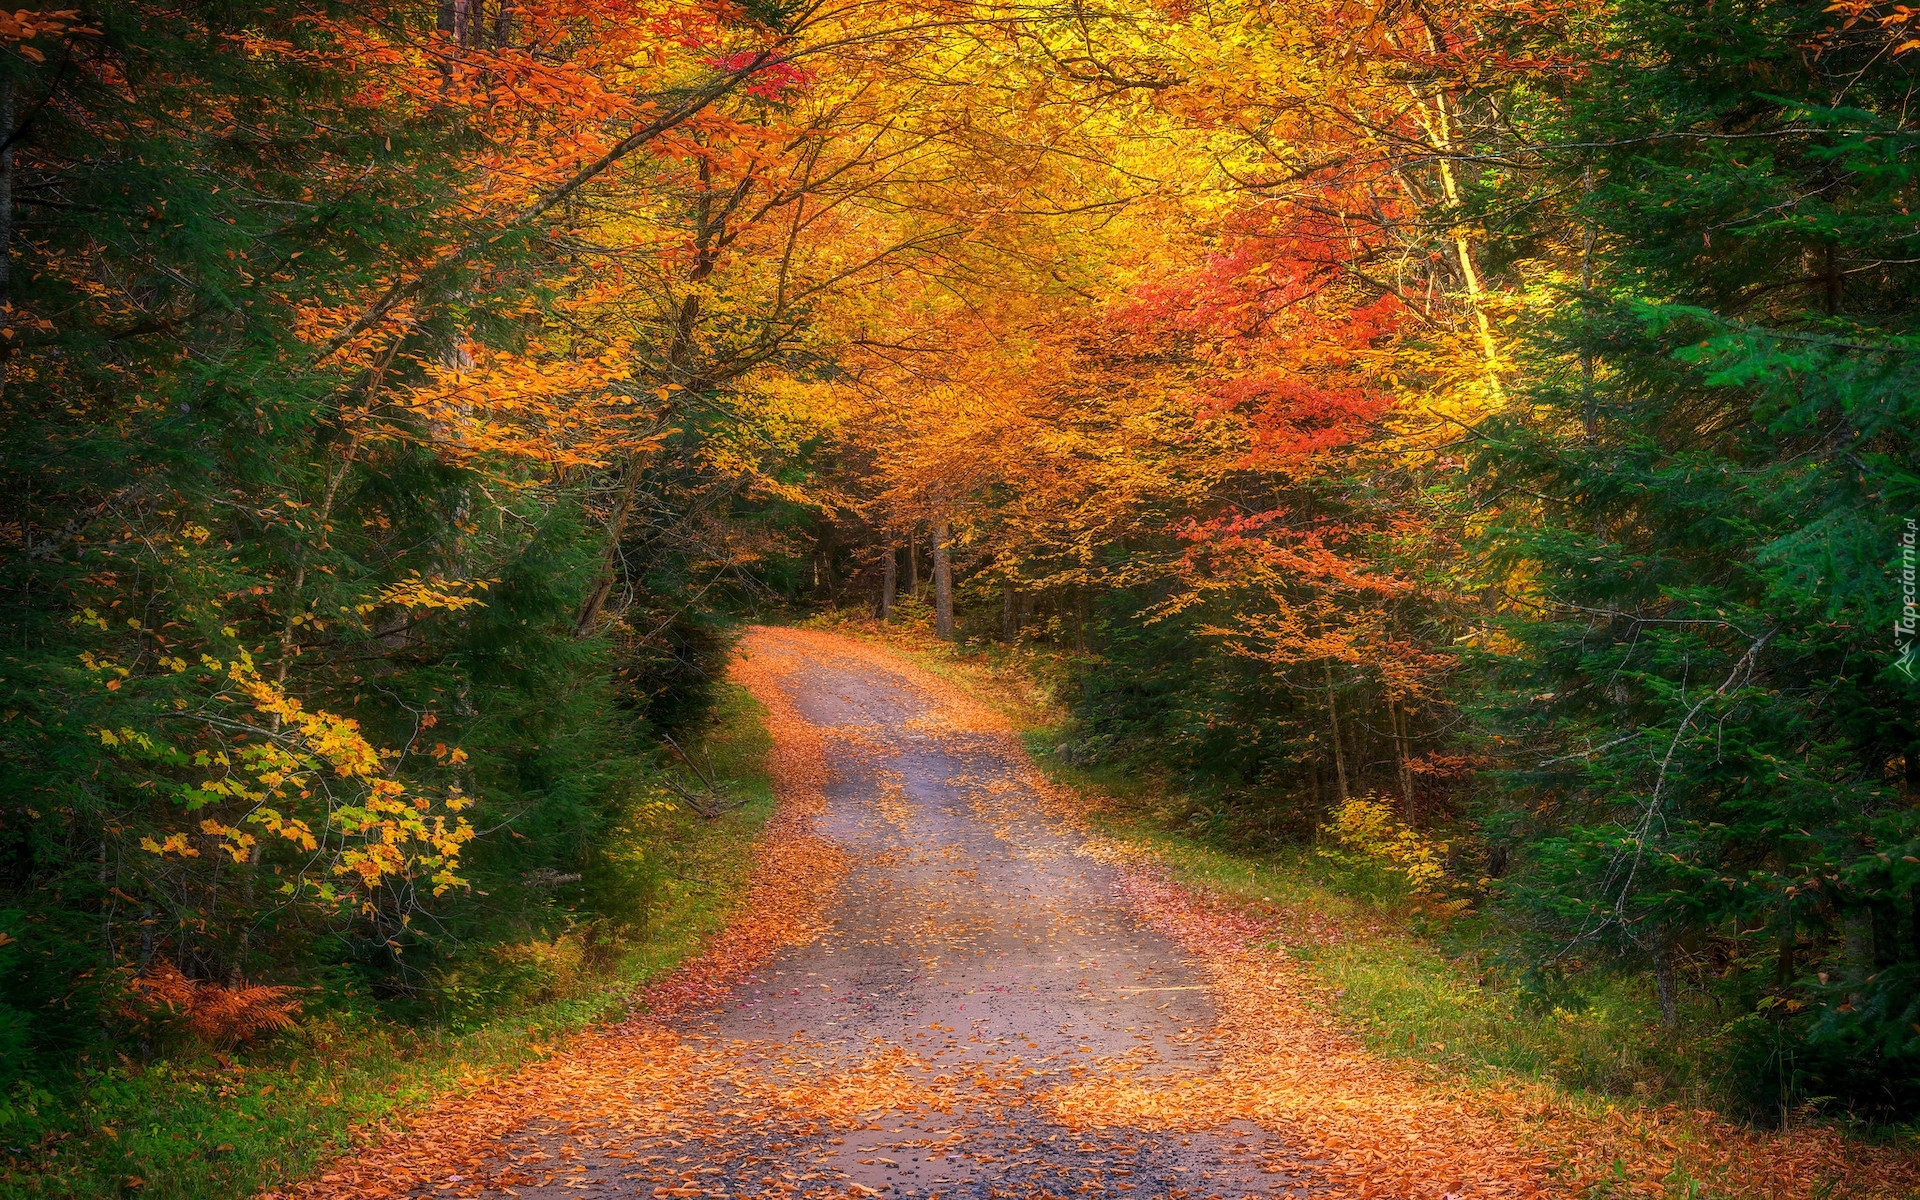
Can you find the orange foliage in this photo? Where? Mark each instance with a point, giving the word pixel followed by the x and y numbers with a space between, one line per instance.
pixel 216 1014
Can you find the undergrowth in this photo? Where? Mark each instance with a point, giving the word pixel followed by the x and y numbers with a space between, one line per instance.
pixel 200 1123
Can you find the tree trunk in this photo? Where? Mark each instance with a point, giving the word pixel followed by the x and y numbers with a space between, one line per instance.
pixel 1913 945
pixel 824 548
pixel 1856 925
pixel 443 22
pixel 609 573
pixel 1397 718
pixel 889 579
pixel 106 910
pixel 942 583
pixel 913 565
pixel 1590 419
pixel 1339 756
pixel 296 600
pixel 1009 620
pixel 1833 279
pixel 1886 932
pixel 6 220
pixel 1663 982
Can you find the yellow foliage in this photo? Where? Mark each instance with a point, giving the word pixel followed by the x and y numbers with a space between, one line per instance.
pixel 310 777
pixel 1366 826
pixel 416 592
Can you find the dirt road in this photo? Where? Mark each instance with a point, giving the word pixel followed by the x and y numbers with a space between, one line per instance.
pixel 971 961
pixel 968 964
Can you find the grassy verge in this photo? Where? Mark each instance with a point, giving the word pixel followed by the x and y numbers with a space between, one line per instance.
pixel 213 1125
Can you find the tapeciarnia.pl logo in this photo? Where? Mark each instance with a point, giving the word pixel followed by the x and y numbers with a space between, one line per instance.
pixel 1908 622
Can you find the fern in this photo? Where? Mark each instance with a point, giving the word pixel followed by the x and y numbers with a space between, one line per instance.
pixel 212 1013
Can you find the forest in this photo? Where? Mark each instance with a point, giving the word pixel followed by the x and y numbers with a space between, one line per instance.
pixel 1482 436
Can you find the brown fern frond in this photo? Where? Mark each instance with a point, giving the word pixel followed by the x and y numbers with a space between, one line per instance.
pixel 163 987
pixel 220 1015
pixel 232 1015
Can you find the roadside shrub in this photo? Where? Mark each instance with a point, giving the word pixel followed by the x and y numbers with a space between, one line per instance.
pixel 1366 827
